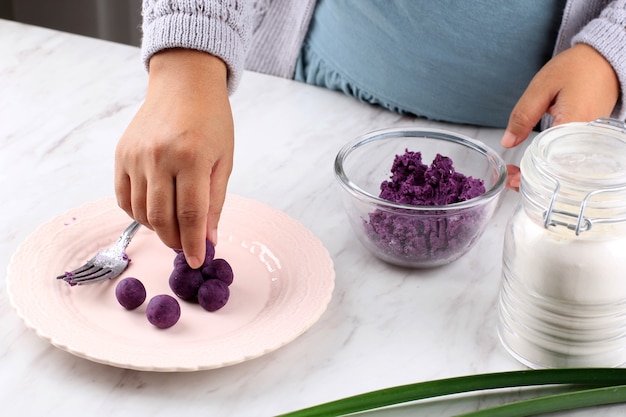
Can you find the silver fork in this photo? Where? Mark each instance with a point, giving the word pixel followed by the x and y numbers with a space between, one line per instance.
pixel 108 263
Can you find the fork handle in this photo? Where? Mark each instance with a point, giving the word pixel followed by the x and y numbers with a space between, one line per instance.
pixel 128 234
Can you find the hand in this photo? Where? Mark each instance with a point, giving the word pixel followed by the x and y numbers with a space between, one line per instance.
pixel 173 162
pixel 577 85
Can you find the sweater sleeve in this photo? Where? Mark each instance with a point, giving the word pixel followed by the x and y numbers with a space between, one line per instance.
pixel 607 34
pixel 218 27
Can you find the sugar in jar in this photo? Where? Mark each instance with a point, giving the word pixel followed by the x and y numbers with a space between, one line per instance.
pixel 563 295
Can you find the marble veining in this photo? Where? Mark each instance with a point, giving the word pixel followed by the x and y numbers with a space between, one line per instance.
pixel 64 102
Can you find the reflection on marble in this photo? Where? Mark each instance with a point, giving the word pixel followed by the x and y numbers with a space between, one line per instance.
pixel 64 102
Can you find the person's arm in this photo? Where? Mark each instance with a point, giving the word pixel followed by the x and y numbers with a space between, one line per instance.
pixel 581 83
pixel 221 28
pixel 173 162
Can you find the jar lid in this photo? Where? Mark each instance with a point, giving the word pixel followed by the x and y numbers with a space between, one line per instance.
pixel 576 172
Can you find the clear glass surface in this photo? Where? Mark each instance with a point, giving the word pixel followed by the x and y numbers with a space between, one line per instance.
pixel 563 295
pixel 409 235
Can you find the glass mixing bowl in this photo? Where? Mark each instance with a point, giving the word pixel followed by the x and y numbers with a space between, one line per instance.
pixel 410 235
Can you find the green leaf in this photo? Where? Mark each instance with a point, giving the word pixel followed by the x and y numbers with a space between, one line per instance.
pixel 556 402
pixel 456 385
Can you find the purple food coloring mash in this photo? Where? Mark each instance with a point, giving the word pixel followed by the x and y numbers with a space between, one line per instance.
pixel 413 182
pixel 440 234
pixel 68 278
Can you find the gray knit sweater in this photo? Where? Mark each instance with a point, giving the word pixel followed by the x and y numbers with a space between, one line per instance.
pixel 266 35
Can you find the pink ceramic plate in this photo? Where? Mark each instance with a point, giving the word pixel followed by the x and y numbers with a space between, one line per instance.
pixel 284 280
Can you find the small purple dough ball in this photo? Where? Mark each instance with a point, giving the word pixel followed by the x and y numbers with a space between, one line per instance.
pixel 185 281
pixel 209 255
pixel 213 294
pixel 163 311
pixel 219 269
pixel 180 259
pixel 130 293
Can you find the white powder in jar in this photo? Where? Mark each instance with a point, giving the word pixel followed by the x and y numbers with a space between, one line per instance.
pixel 555 263
pixel 564 296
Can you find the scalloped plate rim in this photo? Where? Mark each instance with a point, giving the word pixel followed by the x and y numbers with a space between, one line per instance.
pixel 232 201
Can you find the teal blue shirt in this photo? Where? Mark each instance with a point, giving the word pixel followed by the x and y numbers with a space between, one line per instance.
pixel 451 60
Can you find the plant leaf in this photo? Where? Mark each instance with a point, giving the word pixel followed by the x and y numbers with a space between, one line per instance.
pixel 436 388
pixel 556 402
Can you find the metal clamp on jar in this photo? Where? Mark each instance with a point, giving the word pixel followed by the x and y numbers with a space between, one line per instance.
pixel 563 295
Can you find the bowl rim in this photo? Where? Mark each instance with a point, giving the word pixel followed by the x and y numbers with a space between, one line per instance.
pixel 433 133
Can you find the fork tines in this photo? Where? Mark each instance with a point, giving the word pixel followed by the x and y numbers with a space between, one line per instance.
pixel 87 272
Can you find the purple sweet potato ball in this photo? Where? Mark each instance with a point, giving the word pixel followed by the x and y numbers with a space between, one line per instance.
pixel 163 311
pixel 219 269
pixel 179 259
pixel 130 293
pixel 185 281
pixel 210 253
pixel 213 294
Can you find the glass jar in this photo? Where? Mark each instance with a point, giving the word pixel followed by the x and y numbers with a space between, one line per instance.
pixel 563 295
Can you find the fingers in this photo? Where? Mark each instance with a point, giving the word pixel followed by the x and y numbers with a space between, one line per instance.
pixel 219 180
pixel 160 210
pixel 514 177
pixel 192 207
pixel 578 84
pixel 122 190
pixel 175 196
pixel 528 111
pixel 178 214
pixel 130 186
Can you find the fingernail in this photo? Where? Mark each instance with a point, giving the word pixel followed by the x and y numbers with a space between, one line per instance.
pixel 194 262
pixel 509 139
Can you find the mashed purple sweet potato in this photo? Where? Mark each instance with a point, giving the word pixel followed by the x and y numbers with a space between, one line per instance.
pixel 434 238
pixel 413 182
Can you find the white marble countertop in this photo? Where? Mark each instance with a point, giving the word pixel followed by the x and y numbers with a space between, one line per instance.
pixel 64 102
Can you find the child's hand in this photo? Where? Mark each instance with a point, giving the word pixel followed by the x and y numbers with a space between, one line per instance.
pixel 577 85
pixel 173 162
